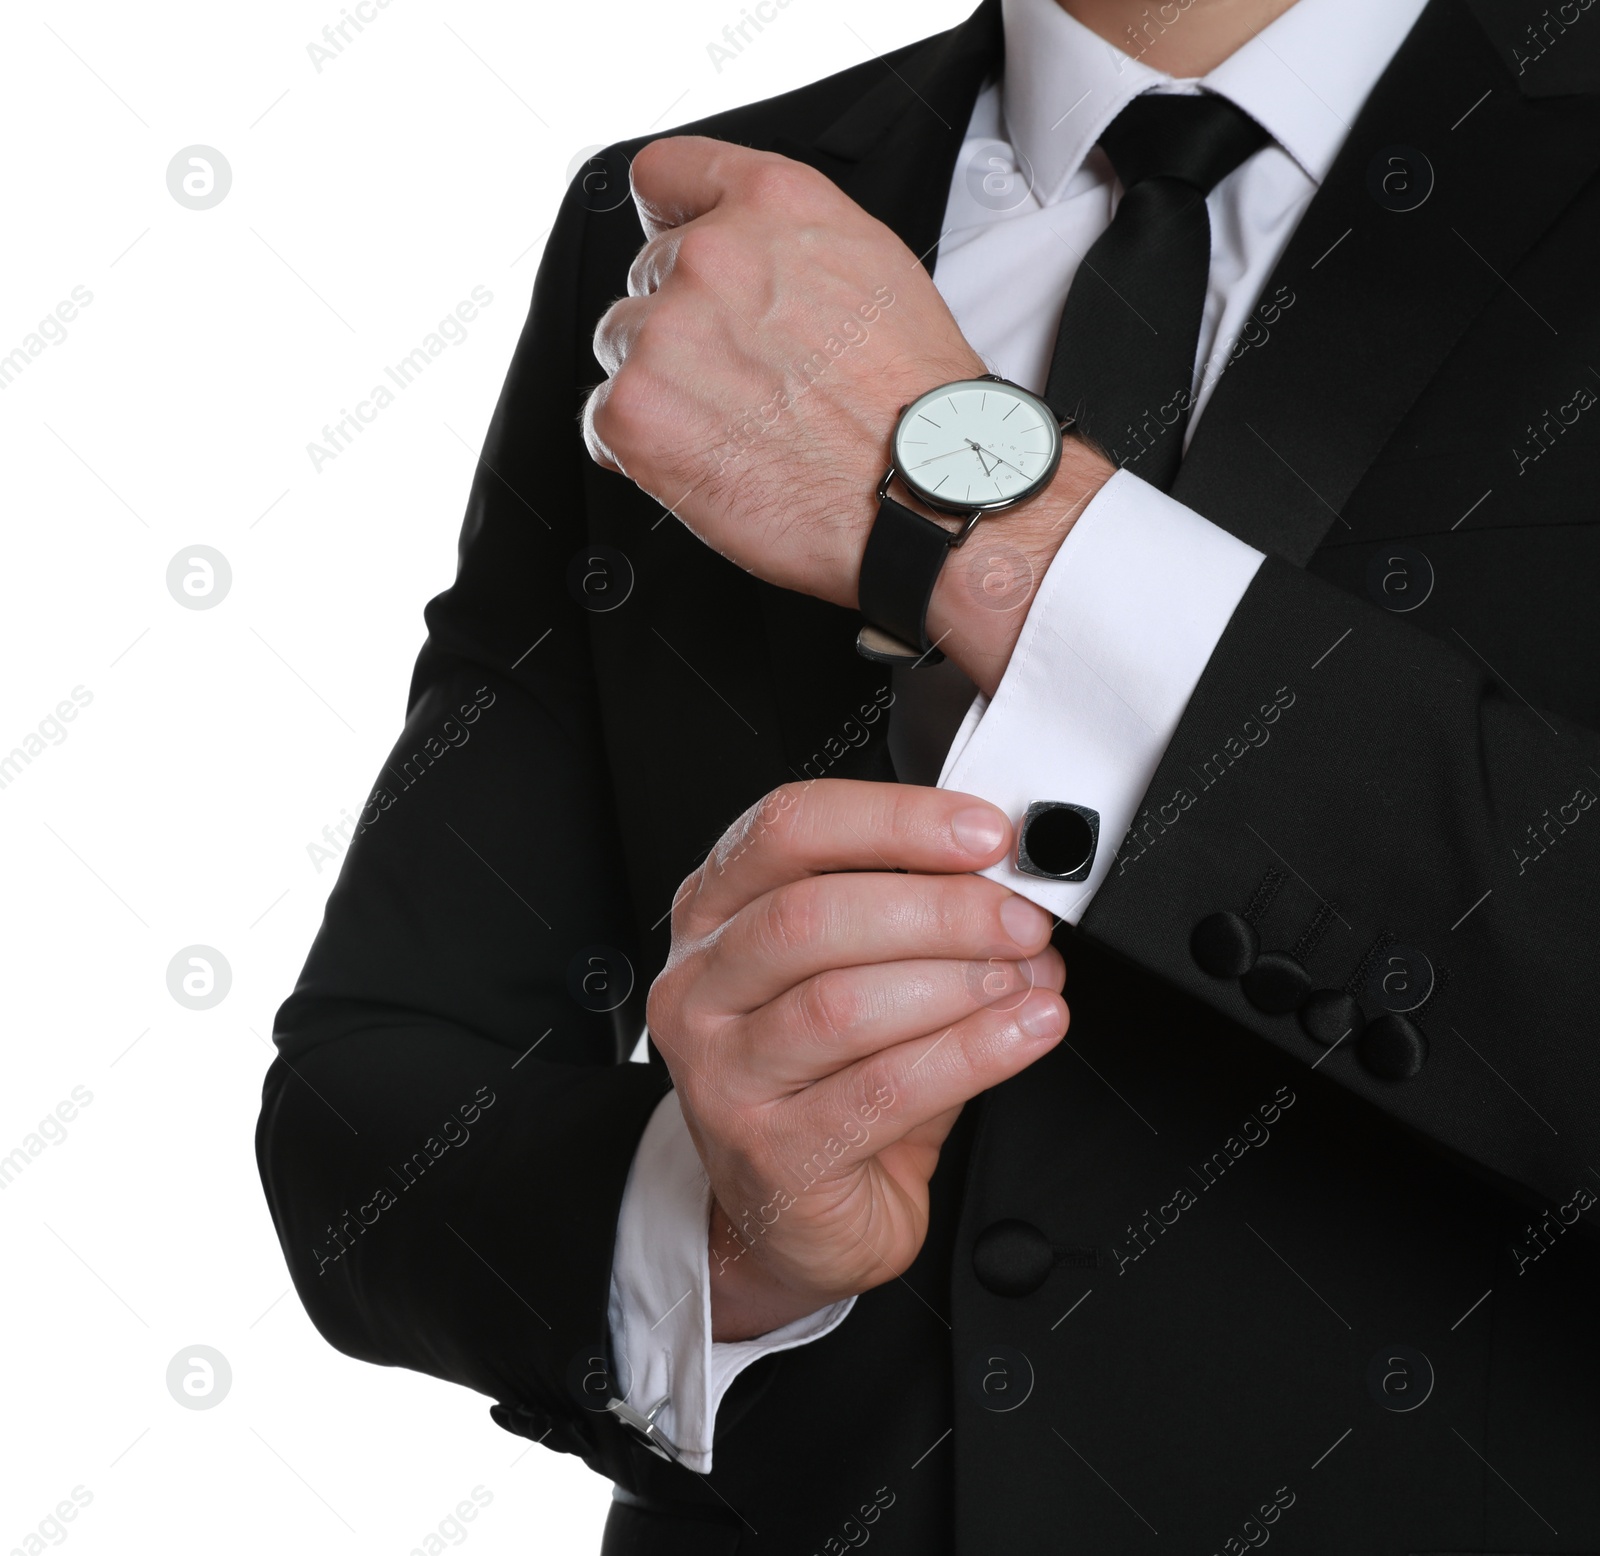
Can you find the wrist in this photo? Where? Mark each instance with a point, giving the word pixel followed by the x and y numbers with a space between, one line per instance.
pixel 747 1298
pixel 987 585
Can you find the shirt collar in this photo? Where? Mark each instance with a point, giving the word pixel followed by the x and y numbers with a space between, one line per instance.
pixel 1303 78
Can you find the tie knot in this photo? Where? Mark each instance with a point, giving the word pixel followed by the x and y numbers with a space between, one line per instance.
pixel 1198 140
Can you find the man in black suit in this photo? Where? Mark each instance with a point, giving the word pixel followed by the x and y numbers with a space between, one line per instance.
pixel 1292 1233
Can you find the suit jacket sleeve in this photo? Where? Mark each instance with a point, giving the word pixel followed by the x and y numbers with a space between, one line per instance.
pixel 447 1129
pixel 1401 795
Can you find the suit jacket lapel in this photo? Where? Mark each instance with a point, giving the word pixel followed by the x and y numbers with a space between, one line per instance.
pixel 1382 295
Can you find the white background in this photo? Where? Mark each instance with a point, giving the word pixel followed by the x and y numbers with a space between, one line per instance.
pixel 367 200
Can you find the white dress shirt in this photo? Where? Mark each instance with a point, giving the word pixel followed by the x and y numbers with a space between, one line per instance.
pixel 1130 610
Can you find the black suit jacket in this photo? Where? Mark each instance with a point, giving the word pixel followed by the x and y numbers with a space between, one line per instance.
pixel 1182 1271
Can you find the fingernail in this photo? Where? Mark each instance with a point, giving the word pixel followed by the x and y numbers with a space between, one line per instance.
pixel 1023 921
pixel 978 829
pixel 1040 1016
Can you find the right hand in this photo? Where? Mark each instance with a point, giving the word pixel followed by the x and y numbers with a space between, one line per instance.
pixel 825 1018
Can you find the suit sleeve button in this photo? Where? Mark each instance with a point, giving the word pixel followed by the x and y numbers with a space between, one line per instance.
pixel 1393 1048
pixel 1224 945
pixel 1329 1015
pixel 1276 984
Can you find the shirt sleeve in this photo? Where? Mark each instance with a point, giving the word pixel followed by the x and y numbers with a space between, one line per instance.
pixel 660 1306
pixel 1116 640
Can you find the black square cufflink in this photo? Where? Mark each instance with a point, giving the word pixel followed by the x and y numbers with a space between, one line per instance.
pixel 1057 841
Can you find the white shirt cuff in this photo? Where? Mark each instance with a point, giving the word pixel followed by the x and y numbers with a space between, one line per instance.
pixel 1128 614
pixel 660 1308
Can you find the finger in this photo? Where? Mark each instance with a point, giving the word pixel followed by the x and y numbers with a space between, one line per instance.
pixel 846 1013
pixel 855 920
pixel 829 824
pixel 653 263
pixel 619 327
pixel 600 451
pixel 884 1097
pixel 678 177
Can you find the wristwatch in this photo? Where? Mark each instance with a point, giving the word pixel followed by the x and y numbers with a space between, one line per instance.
pixel 970 448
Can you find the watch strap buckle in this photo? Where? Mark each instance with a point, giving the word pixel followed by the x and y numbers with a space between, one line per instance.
pixel 883 648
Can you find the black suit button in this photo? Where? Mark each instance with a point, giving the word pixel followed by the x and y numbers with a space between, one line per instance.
pixel 1393 1048
pixel 1276 984
pixel 1329 1015
pixel 1224 945
pixel 1012 1258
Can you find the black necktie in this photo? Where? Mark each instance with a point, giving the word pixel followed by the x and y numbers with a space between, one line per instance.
pixel 1124 354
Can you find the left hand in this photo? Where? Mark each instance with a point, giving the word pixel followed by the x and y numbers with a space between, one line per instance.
pixel 771 332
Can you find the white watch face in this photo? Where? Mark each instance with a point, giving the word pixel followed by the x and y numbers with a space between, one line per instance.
pixel 976 444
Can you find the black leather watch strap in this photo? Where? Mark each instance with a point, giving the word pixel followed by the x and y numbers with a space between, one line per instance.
pixel 898 571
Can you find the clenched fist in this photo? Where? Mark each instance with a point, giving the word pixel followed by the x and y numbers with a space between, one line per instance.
pixel 825 1017
pixel 771 331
